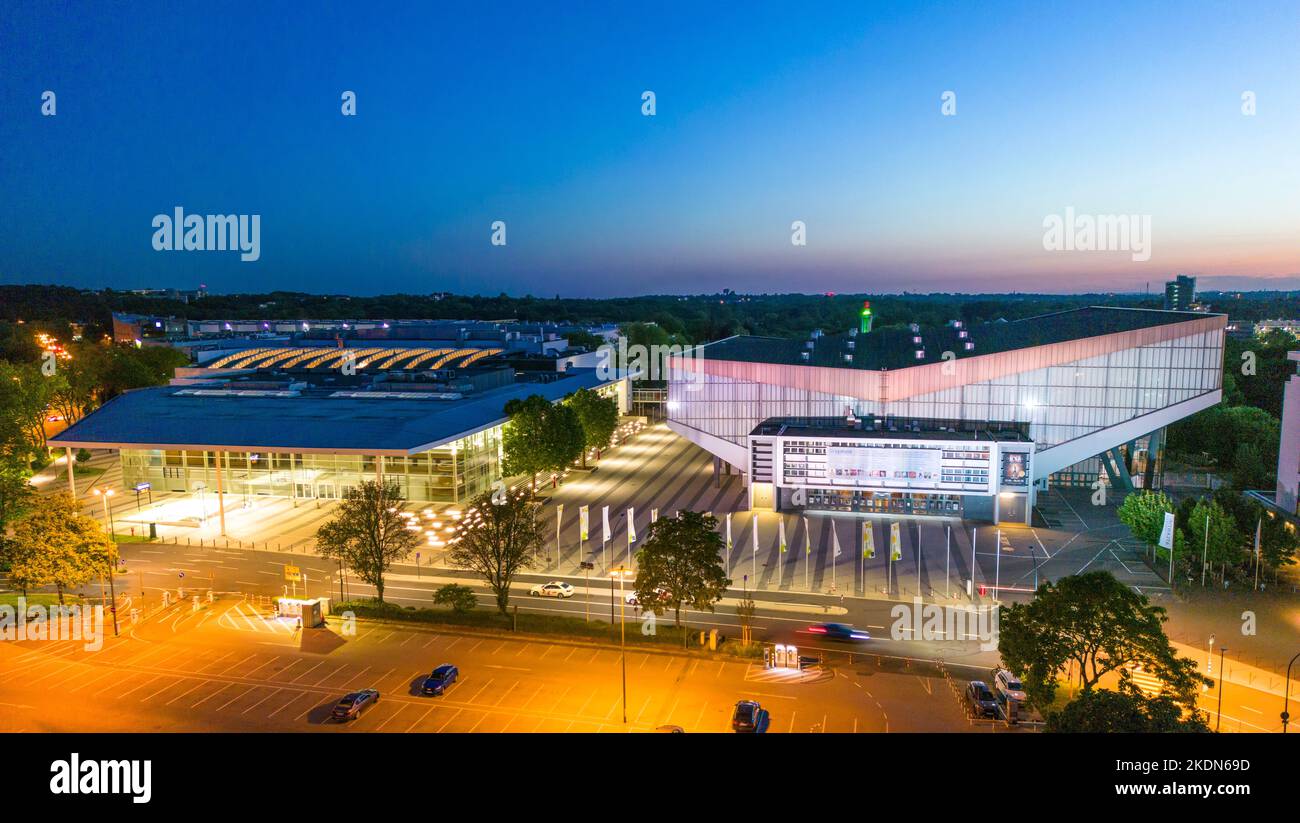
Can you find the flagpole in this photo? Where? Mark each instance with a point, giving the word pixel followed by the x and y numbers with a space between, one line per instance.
pixel 1258 527
pixel 947 565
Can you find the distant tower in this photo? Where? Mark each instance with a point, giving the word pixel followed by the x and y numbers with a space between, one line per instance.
pixel 866 317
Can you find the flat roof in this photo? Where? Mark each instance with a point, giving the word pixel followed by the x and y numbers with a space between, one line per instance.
pixel 893 348
pixel 311 421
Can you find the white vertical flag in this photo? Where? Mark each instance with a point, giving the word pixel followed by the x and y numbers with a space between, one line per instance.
pixel 1258 528
pixel 755 534
pixel 654 515
pixel 835 542
pixel 895 543
pixel 807 538
pixel 728 533
pixel 582 523
pixel 604 521
pixel 781 534
pixel 631 526
pixel 559 513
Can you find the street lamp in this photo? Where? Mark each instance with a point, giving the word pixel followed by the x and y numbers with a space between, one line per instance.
pixel 103 495
pixel 1286 695
pixel 1218 714
pixel 112 555
pixel 621 573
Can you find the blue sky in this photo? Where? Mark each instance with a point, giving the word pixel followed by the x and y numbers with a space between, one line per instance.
pixel 766 114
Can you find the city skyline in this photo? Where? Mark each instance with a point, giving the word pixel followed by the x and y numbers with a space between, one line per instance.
pixel 762 118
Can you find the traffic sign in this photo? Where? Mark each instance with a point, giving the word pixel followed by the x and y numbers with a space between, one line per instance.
pixel 292 574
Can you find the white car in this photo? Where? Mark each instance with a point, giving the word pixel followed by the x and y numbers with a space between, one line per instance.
pixel 553 589
pixel 1008 686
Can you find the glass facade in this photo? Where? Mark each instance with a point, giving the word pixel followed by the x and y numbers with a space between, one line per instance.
pixel 452 473
pixel 1060 403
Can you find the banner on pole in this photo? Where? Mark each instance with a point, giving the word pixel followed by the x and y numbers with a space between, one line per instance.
pixel 631 525
pixel 604 522
pixel 1167 533
pixel 895 542
pixel 582 523
pixel 807 538
pixel 781 534
pixel 868 540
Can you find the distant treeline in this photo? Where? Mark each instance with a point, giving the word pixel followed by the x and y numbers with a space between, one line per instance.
pixel 696 318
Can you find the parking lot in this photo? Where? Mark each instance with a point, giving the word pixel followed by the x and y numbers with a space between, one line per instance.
pixel 231 668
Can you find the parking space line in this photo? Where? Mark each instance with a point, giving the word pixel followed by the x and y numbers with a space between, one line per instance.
pixel 419 719
pixel 448 720
pixel 124 694
pixel 187 691
pixel 233 699
pixel 209 697
pixel 263 700
pixel 319 663
pixel 272 660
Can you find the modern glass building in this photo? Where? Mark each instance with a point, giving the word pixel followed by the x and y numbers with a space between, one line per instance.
pixel 306 441
pixel 1076 395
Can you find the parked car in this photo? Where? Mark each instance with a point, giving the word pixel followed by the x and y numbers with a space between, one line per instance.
pixel 670 729
pixel 1008 686
pixel 838 631
pixel 351 705
pixel 553 589
pixel 440 678
pixel 980 701
pixel 749 717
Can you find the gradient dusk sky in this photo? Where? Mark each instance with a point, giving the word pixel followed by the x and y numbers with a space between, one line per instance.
pixel 767 113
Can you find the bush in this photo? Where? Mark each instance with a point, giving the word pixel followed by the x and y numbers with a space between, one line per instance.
pixel 459 598
pixel 83 455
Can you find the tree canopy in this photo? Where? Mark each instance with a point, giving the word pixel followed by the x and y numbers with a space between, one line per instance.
pixel 368 533
pixel 1102 711
pixel 497 540
pixel 55 544
pixel 1099 625
pixel 680 564
pixel 540 436
pixel 598 417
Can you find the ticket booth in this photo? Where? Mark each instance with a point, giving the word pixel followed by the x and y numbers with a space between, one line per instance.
pixel 312 611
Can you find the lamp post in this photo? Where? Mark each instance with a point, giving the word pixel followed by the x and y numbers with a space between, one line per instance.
pixel 1218 714
pixel 621 573
pixel 1286 695
pixel 112 554
pixel 103 495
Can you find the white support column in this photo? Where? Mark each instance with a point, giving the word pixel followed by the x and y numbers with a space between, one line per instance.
pixel 72 483
pixel 221 500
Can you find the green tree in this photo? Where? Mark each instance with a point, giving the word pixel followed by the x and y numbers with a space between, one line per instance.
pixel 680 564
pixel 23 406
pixel 1102 711
pixel 499 540
pixel 540 436
pixel 1226 544
pixel 55 544
pixel 1099 625
pixel 368 533
pixel 458 598
pixel 598 417
pixel 16 493
pixel 1144 513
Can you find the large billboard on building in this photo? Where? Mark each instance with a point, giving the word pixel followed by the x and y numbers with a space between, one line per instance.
pixel 858 466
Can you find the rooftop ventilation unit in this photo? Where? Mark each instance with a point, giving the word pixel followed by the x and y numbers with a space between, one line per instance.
pixel 956 324
pixel 803 355
pixel 851 345
pixel 963 334
pixel 236 393
pixel 916 339
pixel 920 354
pixel 808 345
pixel 848 358
pixel 970 345
pixel 398 395
pixel 915 327
pixel 816 333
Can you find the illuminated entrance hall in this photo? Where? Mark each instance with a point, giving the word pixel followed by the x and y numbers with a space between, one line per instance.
pixel 451 473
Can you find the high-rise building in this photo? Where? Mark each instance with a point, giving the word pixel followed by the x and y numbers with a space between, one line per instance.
pixel 1180 293
pixel 1288 457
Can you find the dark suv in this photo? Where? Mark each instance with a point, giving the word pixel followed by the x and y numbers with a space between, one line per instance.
pixel 980 700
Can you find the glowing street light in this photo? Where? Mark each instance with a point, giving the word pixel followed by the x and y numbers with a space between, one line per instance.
pixel 622 574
